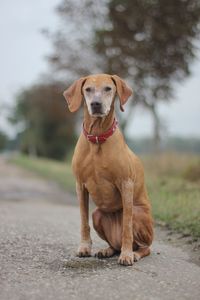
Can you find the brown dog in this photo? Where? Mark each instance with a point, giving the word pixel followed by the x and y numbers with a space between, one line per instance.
pixel 107 170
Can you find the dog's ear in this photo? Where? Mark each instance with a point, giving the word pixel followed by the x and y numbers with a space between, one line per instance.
pixel 73 95
pixel 123 90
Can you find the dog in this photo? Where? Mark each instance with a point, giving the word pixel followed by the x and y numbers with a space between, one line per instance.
pixel 109 172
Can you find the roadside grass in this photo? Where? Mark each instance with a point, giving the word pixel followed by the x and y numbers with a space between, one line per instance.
pixel 175 197
pixel 59 172
pixel 176 203
pixel 173 190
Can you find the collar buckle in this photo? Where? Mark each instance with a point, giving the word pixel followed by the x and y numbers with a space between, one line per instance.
pixel 97 139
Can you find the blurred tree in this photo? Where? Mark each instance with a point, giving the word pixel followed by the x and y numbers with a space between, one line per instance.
pixel 47 127
pixel 3 140
pixel 151 43
pixel 73 53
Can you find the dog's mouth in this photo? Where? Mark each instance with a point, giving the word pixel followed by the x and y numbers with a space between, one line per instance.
pixel 98 115
pixel 96 109
pixel 98 112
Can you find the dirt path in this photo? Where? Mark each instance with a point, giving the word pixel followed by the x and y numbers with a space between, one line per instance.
pixel 39 231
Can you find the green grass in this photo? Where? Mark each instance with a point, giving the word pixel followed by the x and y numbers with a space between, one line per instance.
pixel 53 170
pixel 175 198
pixel 177 203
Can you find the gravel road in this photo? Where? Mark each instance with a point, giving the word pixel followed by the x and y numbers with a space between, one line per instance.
pixel 39 233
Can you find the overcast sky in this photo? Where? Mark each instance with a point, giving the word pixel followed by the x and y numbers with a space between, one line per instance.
pixel 22 54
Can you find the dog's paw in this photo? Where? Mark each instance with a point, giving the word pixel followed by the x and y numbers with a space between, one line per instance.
pixel 136 256
pixel 105 253
pixel 84 250
pixel 126 258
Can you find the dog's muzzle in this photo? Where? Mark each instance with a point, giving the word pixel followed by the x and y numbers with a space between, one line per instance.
pixel 96 107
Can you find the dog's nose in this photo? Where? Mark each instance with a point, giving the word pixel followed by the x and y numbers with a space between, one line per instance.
pixel 95 105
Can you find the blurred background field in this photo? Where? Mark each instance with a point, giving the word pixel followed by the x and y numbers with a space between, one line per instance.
pixel 173 182
pixel 152 44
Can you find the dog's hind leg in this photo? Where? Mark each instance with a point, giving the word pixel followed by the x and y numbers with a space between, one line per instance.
pixel 142 232
pixel 108 227
pixel 141 252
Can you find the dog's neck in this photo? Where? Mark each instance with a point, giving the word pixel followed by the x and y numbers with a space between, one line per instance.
pixel 98 125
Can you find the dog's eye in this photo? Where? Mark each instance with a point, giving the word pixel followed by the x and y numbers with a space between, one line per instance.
pixel 107 89
pixel 88 89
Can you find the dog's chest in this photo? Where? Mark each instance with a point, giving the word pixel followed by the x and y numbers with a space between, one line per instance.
pixel 104 193
pixel 98 178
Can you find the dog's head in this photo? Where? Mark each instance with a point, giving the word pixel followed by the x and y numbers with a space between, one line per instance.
pixel 99 92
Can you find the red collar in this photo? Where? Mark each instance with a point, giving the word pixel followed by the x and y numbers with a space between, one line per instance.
pixel 101 138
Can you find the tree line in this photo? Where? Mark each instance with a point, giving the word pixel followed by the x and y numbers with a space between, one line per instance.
pixel 150 43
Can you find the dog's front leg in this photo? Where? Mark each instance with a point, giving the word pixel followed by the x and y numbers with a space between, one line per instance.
pixel 86 242
pixel 127 257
